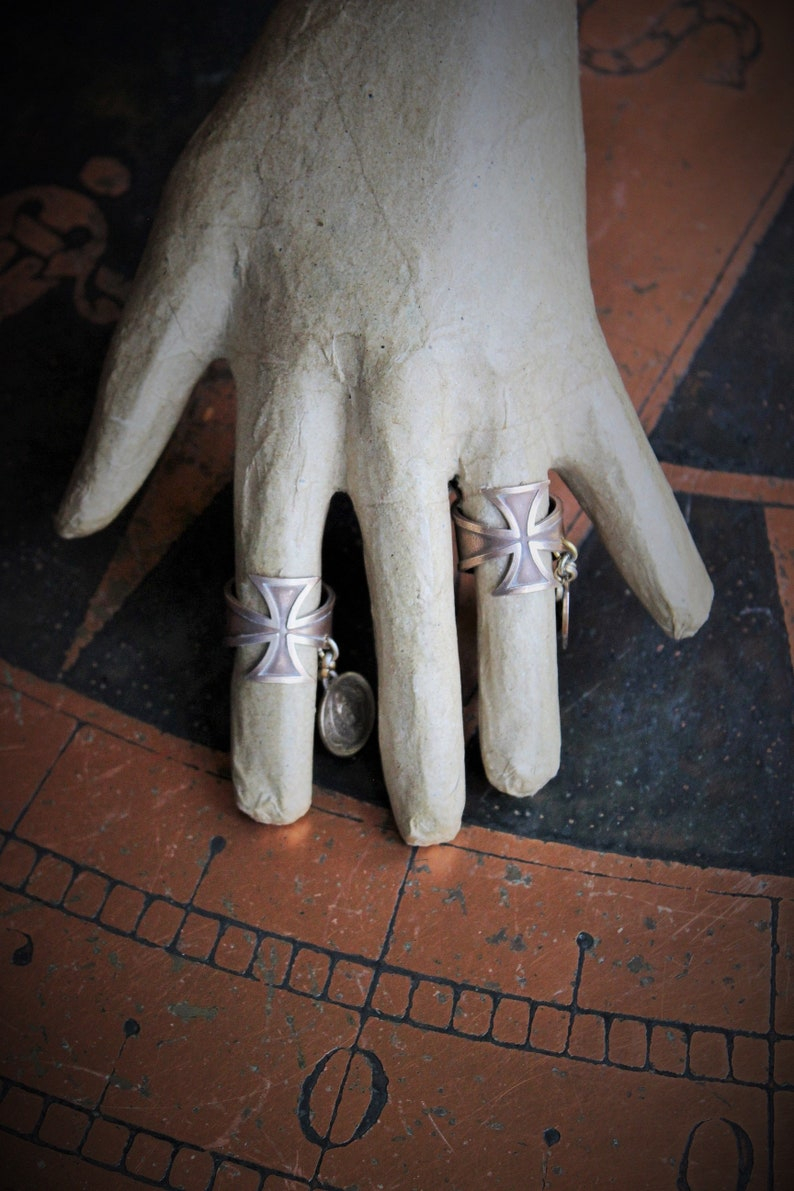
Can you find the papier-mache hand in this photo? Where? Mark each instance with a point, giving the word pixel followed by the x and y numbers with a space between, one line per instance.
pixel 382 228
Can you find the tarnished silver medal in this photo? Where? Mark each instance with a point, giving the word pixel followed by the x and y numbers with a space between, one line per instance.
pixel 346 711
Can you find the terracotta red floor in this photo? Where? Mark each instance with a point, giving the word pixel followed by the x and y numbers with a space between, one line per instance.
pixel 191 1001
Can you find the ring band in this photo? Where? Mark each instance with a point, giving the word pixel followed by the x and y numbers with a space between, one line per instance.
pixel 282 629
pixel 529 538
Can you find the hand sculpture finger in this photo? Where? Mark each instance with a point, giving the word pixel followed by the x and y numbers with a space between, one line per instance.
pixel 287 467
pixel 403 510
pixel 516 628
pixel 172 328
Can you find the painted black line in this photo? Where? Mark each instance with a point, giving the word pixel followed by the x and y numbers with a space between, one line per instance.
pixel 82 721
pixel 738 244
pixel 365 1011
pixel 629 878
pixel 214 848
pixel 376 968
pixel 773 1036
pixel 131 1029
pixel 218 1157
pixel 47 773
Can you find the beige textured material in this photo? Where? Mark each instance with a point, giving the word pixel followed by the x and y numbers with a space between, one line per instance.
pixel 382 227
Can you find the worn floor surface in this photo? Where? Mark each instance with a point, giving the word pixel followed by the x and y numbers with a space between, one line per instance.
pixel 591 989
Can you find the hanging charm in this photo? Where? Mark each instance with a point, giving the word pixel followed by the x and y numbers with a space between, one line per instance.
pixel 565 571
pixel 346 711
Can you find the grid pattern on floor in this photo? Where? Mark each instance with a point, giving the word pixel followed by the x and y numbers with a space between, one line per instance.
pixel 314 975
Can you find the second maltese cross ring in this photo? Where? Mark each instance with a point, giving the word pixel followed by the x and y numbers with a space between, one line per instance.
pixel 529 539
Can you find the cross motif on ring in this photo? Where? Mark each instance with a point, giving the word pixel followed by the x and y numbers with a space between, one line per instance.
pixel 282 629
pixel 528 540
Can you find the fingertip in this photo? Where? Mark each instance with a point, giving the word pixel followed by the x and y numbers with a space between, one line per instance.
pixel 435 820
pixel 425 776
pixel 420 712
pixel 521 750
pixel 272 748
pixel 683 619
pixel 519 702
pixel 264 801
pixel 663 568
pixel 67 524
pixel 72 520
pixel 519 775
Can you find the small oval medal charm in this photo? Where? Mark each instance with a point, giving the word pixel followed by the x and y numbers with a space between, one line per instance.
pixel 346 714
pixel 565 571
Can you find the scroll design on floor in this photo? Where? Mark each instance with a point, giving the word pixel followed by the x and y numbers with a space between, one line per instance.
pixel 50 234
pixel 674 25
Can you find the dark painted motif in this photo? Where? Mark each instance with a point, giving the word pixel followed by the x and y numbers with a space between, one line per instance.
pixel 667 31
pixel 50 236
pixel 744 1154
pixel 344 1067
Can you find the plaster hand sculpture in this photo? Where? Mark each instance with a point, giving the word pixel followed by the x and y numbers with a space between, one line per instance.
pixel 382 228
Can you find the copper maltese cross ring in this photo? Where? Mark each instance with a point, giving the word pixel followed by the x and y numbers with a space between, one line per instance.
pixel 529 539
